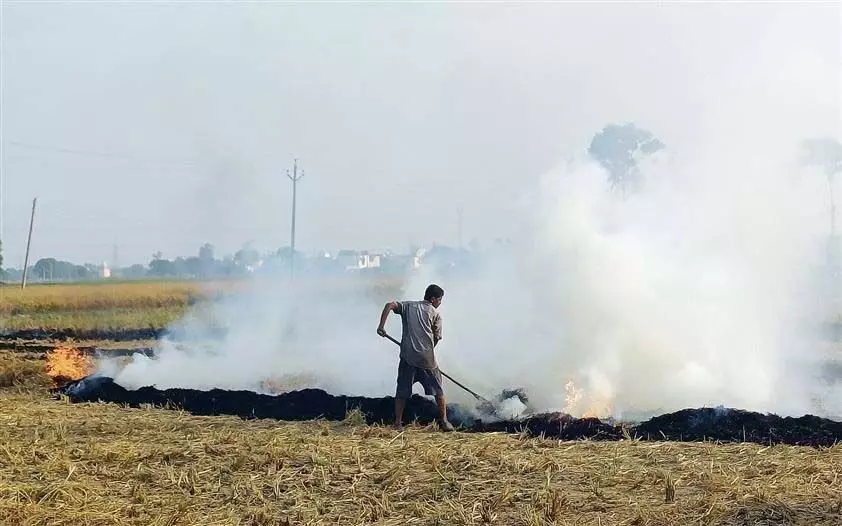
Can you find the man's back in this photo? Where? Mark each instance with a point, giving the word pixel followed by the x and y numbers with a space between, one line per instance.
pixel 421 331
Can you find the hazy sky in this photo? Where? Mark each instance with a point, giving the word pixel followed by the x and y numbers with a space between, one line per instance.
pixel 163 126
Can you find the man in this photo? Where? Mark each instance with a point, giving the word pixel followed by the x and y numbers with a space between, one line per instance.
pixel 421 333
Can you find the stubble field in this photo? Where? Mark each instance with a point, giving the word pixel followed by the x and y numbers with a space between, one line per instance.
pixel 99 464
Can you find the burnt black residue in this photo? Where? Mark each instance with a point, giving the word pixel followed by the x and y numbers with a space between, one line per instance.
pixel 713 424
pixel 734 425
pixel 305 404
pixel 117 335
pixel 556 425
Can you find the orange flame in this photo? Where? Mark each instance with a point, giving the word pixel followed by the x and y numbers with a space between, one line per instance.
pixel 67 363
pixel 582 406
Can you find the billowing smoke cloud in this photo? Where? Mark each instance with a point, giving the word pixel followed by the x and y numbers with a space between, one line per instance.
pixel 699 288
pixel 308 334
pixel 703 286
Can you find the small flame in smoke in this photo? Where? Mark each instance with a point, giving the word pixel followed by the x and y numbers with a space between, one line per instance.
pixel 572 395
pixel 576 404
pixel 285 383
pixel 67 364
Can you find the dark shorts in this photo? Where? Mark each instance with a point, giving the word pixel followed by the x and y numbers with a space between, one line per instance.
pixel 430 380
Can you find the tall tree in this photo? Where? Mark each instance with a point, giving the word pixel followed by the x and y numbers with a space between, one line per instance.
pixel 619 148
pixel 162 268
pixel 247 257
pixel 206 261
pixel 206 252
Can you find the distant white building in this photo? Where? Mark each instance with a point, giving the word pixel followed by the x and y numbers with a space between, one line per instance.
pixel 418 257
pixel 357 260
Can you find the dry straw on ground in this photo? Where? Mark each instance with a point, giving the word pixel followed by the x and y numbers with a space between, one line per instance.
pixel 98 464
pixel 22 369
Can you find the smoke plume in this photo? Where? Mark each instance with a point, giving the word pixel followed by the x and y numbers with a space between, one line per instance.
pixel 701 285
pixel 699 288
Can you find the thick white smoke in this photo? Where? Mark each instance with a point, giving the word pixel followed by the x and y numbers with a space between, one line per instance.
pixel 698 289
pixel 310 334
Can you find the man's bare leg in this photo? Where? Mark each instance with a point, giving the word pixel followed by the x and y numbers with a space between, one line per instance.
pixel 400 403
pixel 444 423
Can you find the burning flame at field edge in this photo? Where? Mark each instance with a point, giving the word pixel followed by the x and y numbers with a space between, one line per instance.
pixel 67 363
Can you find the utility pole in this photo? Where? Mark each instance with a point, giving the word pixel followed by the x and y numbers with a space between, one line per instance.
pixel 28 244
pixel 295 176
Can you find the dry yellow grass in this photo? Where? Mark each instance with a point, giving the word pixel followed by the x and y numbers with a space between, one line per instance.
pixel 19 369
pixel 100 464
pixel 121 305
pixel 105 295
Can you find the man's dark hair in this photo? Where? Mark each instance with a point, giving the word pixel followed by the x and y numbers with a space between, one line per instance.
pixel 433 291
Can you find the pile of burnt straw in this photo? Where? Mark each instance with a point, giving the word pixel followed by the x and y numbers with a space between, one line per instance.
pixel 718 424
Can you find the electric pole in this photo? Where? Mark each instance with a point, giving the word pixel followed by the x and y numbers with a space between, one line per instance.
pixel 28 244
pixel 295 176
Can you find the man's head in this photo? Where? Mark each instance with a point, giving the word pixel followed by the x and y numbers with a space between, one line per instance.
pixel 434 294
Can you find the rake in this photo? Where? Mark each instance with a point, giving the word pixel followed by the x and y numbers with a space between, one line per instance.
pixel 484 404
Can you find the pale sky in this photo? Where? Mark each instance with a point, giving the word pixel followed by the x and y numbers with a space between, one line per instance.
pixel 162 126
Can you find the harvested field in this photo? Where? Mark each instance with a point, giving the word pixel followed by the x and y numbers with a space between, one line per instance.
pixel 103 464
pixel 102 309
pixel 105 294
pixel 104 305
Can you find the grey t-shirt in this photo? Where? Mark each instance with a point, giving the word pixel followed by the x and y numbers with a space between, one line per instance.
pixel 421 331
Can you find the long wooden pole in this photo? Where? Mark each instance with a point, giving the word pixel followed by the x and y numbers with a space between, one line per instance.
pixel 28 244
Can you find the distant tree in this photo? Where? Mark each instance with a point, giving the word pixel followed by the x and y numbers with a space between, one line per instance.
pixel 51 269
pixel 619 149
pixel 207 264
pixel 180 266
pixel 45 269
pixel 826 154
pixel 285 254
pixel 1 256
pixel 206 252
pixel 193 267
pixel 12 274
pixel 229 268
pixel 134 271
pixel 246 257
pixel 162 268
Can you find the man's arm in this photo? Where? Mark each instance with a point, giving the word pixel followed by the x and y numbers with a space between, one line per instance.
pixel 392 306
pixel 436 329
